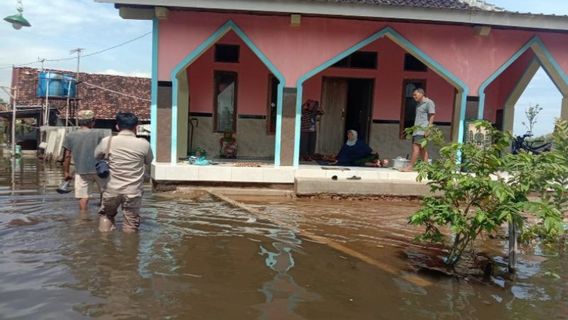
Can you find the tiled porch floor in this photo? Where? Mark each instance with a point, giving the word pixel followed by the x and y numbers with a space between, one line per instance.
pixel 267 173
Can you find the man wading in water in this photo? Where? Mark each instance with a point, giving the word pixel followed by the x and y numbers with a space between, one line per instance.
pixel 425 111
pixel 79 145
pixel 128 158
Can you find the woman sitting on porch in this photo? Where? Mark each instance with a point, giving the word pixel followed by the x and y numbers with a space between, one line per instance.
pixel 357 153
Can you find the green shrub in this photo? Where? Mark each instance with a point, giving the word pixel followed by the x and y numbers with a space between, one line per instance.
pixel 476 188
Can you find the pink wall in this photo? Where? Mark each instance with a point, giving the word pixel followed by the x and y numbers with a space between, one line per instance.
pixel 389 78
pixel 499 90
pixel 296 51
pixel 252 88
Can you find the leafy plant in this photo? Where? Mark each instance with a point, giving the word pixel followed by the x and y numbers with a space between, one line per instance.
pixel 531 113
pixel 550 174
pixel 487 188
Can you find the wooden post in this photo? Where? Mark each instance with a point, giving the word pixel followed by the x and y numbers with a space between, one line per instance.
pixel 512 247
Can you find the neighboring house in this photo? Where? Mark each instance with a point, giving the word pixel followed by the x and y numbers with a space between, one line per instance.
pixel 124 94
pixel 105 103
pixel 4 106
pixel 246 67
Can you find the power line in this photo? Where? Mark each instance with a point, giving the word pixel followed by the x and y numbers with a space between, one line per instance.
pixel 74 58
pixel 113 91
pixel 116 46
pixel 18 65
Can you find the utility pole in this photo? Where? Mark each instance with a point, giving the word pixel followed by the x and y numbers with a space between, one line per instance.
pixel 42 62
pixel 14 98
pixel 78 51
pixel 13 93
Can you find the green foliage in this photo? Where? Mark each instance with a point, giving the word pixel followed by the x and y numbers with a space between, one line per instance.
pixel 488 188
pixel 434 135
pixel 200 152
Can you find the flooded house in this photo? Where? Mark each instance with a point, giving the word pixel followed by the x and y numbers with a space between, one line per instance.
pixel 246 67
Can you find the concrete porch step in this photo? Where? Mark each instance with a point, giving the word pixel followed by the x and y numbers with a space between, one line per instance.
pixel 365 187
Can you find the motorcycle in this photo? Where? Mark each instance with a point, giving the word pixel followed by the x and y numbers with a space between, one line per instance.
pixel 522 143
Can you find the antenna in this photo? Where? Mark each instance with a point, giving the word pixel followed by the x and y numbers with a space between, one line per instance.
pixel 41 61
pixel 78 51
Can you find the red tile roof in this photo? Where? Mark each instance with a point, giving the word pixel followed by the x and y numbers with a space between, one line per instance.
pixel 437 4
pixel 133 96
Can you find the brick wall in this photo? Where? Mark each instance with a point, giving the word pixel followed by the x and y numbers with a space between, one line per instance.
pixel 105 104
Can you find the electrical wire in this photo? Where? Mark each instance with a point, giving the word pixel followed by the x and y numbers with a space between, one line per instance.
pixel 74 58
pixel 113 91
pixel 18 65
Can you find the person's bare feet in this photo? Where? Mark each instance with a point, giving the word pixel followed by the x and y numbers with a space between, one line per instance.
pixel 407 169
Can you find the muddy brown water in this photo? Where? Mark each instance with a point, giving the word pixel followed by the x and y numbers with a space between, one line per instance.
pixel 198 258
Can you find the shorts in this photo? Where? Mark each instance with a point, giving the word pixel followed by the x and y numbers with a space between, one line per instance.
pixel 417 139
pixel 84 183
pixel 130 204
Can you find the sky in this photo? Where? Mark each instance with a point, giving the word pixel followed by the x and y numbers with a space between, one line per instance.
pixel 59 26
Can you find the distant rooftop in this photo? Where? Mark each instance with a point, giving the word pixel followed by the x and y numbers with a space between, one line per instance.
pixel 134 93
pixel 468 12
pixel 436 4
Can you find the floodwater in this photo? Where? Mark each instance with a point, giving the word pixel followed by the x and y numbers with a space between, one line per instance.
pixel 199 258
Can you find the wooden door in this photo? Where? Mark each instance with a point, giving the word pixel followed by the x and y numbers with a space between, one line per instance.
pixel 331 127
pixel 359 107
pixel 408 110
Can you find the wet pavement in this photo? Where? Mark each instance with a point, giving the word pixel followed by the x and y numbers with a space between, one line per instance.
pixel 199 258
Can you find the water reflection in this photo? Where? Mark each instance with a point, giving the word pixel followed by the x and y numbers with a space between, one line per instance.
pixel 282 293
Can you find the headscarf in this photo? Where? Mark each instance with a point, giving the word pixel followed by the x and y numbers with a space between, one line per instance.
pixel 353 141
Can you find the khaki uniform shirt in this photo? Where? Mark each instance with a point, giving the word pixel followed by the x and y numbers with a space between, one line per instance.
pixel 128 159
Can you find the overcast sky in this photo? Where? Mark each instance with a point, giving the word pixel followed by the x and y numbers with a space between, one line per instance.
pixel 61 25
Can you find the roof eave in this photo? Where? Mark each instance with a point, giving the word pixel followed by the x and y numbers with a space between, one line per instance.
pixel 473 17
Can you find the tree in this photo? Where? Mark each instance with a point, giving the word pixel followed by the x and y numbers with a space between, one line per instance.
pixel 531 113
pixel 487 189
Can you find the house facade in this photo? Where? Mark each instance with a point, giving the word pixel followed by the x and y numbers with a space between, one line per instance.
pixel 246 67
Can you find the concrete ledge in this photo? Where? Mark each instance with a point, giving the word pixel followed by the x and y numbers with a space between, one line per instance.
pixel 342 186
pixel 307 180
pixel 222 173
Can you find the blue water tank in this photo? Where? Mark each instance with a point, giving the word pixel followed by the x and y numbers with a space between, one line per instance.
pixel 69 86
pixel 50 83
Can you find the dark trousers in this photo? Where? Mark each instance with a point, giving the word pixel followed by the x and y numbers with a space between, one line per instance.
pixel 307 143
